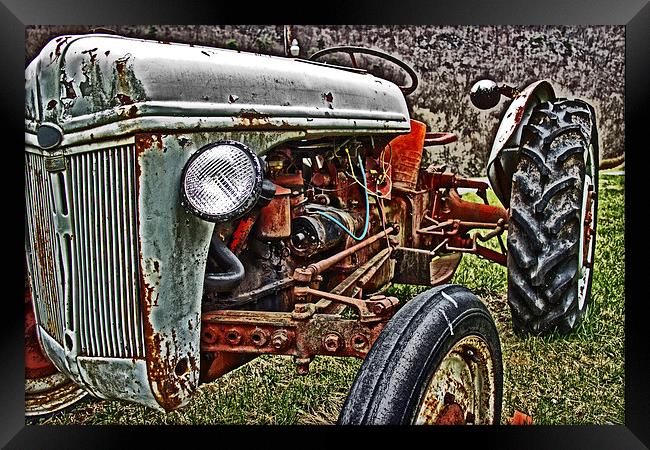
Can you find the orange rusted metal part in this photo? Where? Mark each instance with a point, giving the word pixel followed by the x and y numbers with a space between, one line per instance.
pixel 290 180
pixel 520 418
pixel 301 334
pixel 37 365
pixel 406 151
pixel 240 235
pixel 451 414
pixel 216 364
pixel 454 207
pixel 304 275
pixel 275 218
pixel 431 139
pixel 369 310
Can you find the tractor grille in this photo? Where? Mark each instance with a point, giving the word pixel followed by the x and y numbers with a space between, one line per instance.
pixel 85 251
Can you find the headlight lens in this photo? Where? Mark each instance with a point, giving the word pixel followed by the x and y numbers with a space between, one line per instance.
pixel 221 181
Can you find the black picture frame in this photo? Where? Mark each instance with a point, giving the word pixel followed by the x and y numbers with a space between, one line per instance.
pixel 634 14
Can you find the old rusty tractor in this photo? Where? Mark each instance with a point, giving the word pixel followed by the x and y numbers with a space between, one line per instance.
pixel 190 208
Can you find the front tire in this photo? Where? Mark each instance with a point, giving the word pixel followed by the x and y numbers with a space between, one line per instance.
pixel 552 228
pixel 437 361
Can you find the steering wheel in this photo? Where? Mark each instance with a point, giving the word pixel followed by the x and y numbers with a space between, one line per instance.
pixel 406 90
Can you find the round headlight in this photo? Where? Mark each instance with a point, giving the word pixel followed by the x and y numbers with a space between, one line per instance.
pixel 221 181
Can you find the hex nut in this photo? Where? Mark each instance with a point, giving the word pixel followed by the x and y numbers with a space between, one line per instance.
pixel 359 342
pixel 259 337
pixel 279 339
pixel 233 337
pixel 332 342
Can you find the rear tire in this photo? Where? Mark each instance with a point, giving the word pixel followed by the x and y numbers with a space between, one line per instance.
pixel 552 227
pixel 438 360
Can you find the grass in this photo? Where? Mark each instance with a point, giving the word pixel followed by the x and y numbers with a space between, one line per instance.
pixel 578 379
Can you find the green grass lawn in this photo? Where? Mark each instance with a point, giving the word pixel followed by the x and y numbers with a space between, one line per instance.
pixel 577 379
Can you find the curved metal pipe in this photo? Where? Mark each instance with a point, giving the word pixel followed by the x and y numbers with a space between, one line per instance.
pixel 234 270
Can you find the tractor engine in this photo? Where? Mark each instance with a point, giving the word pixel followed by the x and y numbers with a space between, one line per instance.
pixel 321 197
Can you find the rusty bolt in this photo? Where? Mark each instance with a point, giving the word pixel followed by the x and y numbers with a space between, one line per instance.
pixel 378 308
pixel 303 311
pixel 302 275
pixel 209 337
pixel 332 342
pixel 233 337
pixel 280 339
pixel 359 342
pixel 259 337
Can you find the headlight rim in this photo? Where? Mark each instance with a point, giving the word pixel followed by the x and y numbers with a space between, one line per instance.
pixel 250 200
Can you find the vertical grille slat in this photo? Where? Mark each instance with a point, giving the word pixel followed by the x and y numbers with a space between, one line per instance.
pixel 45 278
pixel 103 255
pixel 98 305
pixel 133 251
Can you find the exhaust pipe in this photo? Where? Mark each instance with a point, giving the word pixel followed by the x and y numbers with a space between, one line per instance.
pixel 234 269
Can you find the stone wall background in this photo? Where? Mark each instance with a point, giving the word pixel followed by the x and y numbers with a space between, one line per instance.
pixel 581 62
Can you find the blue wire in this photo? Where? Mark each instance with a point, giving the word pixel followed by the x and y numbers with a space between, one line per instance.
pixel 343 227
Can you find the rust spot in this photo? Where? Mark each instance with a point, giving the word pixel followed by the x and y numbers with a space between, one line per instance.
pixel 240 235
pixel 92 54
pixel 146 141
pixel 37 365
pixel 328 97
pixel 161 366
pixel 69 88
pixel 251 114
pixel 51 105
pixel 120 64
pixel 124 99
pixel 60 43
pixel 519 113
pixel 452 414
pixel 132 112
pixel 156 266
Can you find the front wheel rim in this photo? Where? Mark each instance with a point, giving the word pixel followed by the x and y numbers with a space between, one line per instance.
pixel 462 390
pixel 50 394
pixel 587 233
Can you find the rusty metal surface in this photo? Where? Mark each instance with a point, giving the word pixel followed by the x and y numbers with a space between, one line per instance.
pixel 37 365
pixel 240 234
pixel 275 218
pixel 89 81
pixel 305 275
pixel 40 244
pixel 415 266
pixel 462 388
pixel 174 246
pixel 50 393
pixel 284 334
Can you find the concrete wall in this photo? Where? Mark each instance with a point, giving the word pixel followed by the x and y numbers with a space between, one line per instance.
pixel 581 62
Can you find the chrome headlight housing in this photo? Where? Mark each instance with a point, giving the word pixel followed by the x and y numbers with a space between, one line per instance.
pixel 221 181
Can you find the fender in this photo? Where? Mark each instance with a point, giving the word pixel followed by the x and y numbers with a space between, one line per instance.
pixel 505 150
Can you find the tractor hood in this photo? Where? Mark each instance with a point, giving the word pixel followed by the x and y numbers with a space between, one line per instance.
pixel 121 85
